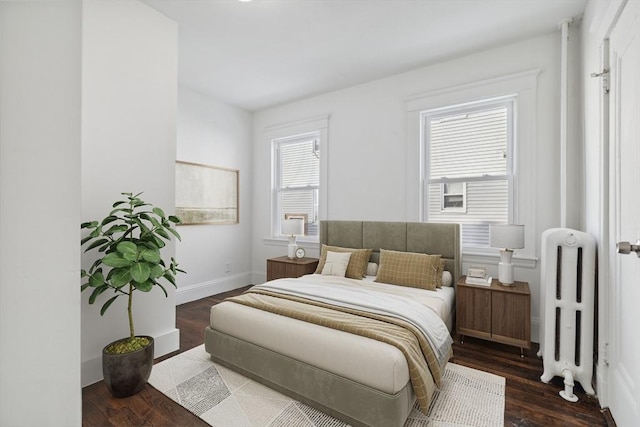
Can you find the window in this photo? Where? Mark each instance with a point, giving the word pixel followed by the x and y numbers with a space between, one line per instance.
pixel 297 180
pixel 468 166
pixel 453 196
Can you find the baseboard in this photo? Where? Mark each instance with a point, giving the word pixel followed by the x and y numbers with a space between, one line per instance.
pixel 198 291
pixel 91 371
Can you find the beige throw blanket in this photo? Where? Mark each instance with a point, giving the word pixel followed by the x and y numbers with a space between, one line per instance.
pixel 424 369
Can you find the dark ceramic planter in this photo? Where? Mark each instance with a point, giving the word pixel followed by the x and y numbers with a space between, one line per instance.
pixel 127 374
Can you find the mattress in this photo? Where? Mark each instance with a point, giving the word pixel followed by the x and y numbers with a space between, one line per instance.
pixel 363 360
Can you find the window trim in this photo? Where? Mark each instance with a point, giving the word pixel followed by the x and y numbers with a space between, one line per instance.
pixel 510 103
pixel 307 125
pixel 524 85
pixel 278 190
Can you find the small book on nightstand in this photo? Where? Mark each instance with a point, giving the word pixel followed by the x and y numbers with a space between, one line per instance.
pixel 477 275
pixel 482 281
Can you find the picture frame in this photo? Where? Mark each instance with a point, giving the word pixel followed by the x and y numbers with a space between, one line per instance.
pixel 207 194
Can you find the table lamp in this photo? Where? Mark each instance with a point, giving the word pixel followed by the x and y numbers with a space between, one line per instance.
pixel 292 228
pixel 507 237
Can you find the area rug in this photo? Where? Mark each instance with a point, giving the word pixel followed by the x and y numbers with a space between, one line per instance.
pixel 222 397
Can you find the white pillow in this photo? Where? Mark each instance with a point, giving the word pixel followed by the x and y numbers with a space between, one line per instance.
pixel 336 264
pixel 372 269
pixel 447 279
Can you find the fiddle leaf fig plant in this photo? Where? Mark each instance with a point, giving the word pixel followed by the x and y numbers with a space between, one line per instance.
pixel 130 237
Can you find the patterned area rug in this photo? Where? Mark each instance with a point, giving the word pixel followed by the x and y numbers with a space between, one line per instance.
pixel 222 397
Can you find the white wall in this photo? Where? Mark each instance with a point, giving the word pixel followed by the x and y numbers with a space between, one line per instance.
pixel 129 104
pixel 368 147
pixel 40 213
pixel 213 133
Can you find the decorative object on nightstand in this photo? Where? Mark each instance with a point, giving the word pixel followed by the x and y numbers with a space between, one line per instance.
pixel 507 237
pixel 477 275
pixel 300 253
pixel 284 267
pixel 292 228
pixel 494 313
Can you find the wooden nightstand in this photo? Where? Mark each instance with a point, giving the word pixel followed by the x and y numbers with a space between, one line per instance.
pixel 495 313
pixel 281 267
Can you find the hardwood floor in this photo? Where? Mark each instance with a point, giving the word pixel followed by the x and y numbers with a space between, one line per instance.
pixel 529 402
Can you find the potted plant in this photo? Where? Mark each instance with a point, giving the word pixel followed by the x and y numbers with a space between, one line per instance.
pixel 129 240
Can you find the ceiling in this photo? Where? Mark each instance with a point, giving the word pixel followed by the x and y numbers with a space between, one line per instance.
pixel 262 53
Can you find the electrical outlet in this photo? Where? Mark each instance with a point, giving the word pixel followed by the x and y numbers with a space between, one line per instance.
pixel 227 267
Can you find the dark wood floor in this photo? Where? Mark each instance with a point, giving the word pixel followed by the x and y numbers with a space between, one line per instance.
pixel 529 402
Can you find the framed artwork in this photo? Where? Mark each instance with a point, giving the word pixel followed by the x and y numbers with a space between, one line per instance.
pixel 206 194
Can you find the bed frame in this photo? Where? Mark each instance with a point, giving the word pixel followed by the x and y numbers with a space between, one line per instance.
pixel 339 397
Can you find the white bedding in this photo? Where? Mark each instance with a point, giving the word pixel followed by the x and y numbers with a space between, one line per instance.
pixel 364 360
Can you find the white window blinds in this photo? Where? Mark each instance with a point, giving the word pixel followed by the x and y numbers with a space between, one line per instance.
pixel 468 176
pixel 298 179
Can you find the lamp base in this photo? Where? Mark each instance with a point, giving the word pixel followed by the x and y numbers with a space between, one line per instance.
pixel 505 274
pixel 291 250
pixel 505 268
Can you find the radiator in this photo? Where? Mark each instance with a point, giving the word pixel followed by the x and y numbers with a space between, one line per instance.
pixel 567 292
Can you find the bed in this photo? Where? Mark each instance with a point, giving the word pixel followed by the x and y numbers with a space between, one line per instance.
pixel 346 374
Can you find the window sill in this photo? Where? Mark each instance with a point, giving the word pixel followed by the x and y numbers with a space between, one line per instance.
pixel 283 241
pixel 480 257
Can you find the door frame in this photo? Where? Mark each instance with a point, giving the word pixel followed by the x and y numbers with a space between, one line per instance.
pixel 608 19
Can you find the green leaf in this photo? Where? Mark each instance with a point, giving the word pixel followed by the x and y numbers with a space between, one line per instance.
pixel 83 287
pixel 159 242
pixel 120 277
pixel 129 250
pixel 90 224
pixel 163 233
pixel 163 290
pixel 85 240
pixel 114 260
pixel 143 228
pixel 174 219
pixel 96 292
pixel 169 276
pixel 151 255
pixel 136 202
pixel 96 279
pixel 127 210
pixel 118 203
pixel 116 229
pixel 156 272
pixel 175 233
pixel 155 222
pixel 145 286
pixel 95 265
pixel 97 243
pixel 158 212
pixel 109 219
pixel 140 272
pixel 107 304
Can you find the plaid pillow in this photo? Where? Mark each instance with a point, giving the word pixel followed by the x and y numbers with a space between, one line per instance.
pixel 409 269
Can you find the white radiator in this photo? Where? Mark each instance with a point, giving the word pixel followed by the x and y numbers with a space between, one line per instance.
pixel 567 292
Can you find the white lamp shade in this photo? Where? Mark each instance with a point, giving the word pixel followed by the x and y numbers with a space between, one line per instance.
pixel 293 227
pixel 507 236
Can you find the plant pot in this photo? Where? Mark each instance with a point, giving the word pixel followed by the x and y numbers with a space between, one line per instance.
pixel 126 374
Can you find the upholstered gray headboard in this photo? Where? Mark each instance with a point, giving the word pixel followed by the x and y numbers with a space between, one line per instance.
pixel 421 237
